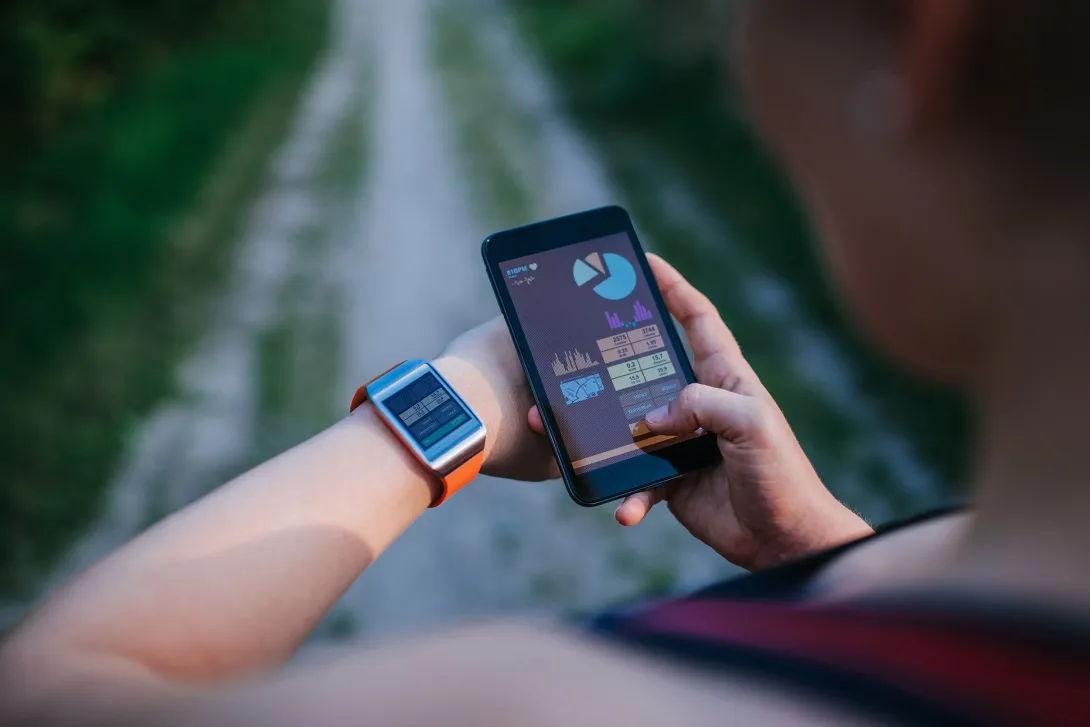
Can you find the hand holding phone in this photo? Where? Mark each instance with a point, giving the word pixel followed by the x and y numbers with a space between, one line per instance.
pixel 763 504
pixel 599 349
pixel 484 367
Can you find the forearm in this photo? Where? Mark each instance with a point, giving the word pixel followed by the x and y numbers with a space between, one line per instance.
pixel 237 580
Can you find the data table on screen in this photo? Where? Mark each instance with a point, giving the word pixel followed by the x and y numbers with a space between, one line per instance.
pixel 626 345
pixel 643 370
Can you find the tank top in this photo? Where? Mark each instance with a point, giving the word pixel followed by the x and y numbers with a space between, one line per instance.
pixel 936 659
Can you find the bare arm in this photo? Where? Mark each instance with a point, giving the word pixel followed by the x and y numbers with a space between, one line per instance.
pixel 241 576
pixel 234 583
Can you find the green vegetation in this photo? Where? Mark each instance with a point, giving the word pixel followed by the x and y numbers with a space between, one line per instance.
pixel 649 81
pixel 490 131
pixel 299 355
pixel 132 139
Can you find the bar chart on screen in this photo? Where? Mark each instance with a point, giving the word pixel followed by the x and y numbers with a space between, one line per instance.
pixel 640 315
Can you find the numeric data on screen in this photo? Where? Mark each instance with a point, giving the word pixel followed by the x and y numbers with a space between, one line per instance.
pixel 633 343
pixel 642 370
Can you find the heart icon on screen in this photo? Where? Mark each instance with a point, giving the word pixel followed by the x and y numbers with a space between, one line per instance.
pixel 533 266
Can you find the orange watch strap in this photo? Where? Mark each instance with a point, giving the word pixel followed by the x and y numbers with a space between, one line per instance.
pixel 460 477
pixel 456 480
pixel 361 393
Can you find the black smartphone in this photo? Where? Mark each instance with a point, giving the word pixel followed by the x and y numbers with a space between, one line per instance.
pixel 599 348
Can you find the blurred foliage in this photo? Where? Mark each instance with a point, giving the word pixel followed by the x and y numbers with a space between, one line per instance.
pixel 655 74
pixel 60 56
pixel 116 112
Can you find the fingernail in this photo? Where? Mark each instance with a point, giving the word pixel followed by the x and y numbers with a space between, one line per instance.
pixel 657 416
pixel 617 512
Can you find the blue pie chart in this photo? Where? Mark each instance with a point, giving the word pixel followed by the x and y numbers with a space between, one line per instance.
pixel 613 277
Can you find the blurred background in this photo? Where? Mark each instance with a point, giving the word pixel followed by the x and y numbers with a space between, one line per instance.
pixel 218 217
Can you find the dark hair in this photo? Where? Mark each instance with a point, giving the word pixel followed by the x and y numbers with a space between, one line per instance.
pixel 1026 75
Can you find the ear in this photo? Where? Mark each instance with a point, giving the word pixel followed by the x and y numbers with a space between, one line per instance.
pixel 938 35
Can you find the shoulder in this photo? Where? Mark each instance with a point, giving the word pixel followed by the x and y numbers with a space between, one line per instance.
pixel 595 683
pixel 508 675
pixel 896 559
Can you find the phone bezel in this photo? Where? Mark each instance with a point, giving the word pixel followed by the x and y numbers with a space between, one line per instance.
pixel 611 482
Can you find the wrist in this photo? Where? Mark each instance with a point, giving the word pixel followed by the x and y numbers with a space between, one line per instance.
pixel 390 456
pixel 833 525
pixel 846 526
pixel 822 526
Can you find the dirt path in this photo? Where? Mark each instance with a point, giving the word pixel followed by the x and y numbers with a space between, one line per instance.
pixel 499 546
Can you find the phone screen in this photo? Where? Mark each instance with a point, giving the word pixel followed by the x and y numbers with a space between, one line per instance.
pixel 600 345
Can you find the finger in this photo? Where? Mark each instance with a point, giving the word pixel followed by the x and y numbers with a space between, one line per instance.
pixel 553 469
pixel 721 412
pixel 635 507
pixel 538 426
pixel 534 419
pixel 718 358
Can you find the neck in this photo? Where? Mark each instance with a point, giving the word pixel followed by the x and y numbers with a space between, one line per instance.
pixel 1031 535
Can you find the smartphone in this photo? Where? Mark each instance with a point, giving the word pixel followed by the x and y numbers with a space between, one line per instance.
pixel 599 349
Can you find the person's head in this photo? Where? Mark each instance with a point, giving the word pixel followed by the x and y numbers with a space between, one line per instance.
pixel 940 147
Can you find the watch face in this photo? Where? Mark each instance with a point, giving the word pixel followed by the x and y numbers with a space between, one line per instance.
pixel 428 416
pixel 427 410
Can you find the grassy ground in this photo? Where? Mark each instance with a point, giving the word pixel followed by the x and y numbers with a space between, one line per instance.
pixel 650 110
pixel 114 232
pixel 300 355
pixel 490 132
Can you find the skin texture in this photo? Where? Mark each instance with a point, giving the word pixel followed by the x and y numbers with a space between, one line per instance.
pixel 949 255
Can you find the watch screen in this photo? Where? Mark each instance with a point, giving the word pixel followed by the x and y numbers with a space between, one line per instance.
pixel 599 343
pixel 427 410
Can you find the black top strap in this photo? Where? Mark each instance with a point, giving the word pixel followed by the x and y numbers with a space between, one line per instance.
pixel 933 661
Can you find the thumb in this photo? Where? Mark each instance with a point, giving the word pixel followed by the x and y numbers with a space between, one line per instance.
pixel 635 507
pixel 721 412
pixel 535 421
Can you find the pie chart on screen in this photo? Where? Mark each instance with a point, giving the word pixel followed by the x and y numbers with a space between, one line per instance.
pixel 612 276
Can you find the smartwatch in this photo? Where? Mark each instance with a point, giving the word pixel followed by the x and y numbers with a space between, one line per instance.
pixel 431 420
